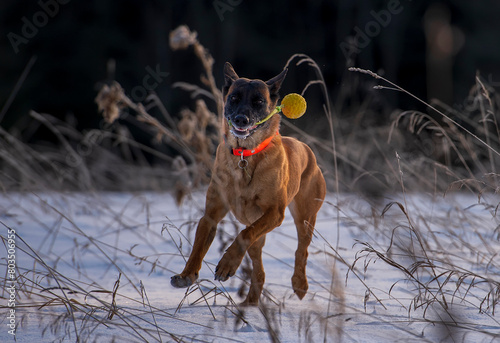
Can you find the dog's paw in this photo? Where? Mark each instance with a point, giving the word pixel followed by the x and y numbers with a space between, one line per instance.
pixel 179 281
pixel 300 285
pixel 226 268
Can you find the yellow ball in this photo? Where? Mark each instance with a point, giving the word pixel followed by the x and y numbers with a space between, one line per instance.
pixel 293 106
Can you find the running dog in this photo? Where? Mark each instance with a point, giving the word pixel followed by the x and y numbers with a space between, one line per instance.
pixel 256 175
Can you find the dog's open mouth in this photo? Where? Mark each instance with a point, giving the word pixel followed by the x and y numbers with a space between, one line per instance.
pixel 242 133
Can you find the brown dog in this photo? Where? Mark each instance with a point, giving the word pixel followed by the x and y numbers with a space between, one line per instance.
pixel 257 174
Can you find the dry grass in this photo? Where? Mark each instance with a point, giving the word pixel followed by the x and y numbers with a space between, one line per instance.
pixel 73 306
pixel 441 152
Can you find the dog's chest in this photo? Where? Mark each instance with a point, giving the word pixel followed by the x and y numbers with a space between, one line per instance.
pixel 248 186
pixel 242 197
pixel 245 210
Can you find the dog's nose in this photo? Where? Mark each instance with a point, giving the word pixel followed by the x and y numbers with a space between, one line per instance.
pixel 241 121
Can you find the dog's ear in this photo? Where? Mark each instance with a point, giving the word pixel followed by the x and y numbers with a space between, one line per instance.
pixel 229 77
pixel 274 84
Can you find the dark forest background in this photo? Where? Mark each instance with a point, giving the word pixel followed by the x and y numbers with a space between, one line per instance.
pixel 69 48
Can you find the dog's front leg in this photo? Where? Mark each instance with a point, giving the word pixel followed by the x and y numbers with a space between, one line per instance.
pixel 233 256
pixel 215 210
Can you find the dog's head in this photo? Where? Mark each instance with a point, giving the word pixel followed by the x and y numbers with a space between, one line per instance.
pixel 247 102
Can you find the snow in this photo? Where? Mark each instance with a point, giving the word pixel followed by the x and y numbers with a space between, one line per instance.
pixel 79 248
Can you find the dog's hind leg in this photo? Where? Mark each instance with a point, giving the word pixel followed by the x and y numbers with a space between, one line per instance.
pixel 258 275
pixel 304 209
pixel 305 229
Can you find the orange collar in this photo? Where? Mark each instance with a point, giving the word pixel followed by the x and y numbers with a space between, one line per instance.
pixel 249 152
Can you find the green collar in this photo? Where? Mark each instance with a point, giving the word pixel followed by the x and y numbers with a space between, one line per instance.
pixel 276 110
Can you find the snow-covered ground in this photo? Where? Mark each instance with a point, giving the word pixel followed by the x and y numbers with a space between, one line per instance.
pixel 97 268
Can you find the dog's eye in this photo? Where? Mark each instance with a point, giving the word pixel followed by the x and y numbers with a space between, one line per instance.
pixel 234 98
pixel 258 101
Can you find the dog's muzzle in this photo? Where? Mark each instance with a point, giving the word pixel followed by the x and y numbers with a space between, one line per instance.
pixel 241 127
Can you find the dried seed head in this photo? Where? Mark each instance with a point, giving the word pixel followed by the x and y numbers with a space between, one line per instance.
pixel 204 115
pixel 187 126
pixel 110 101
pixel 181 38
